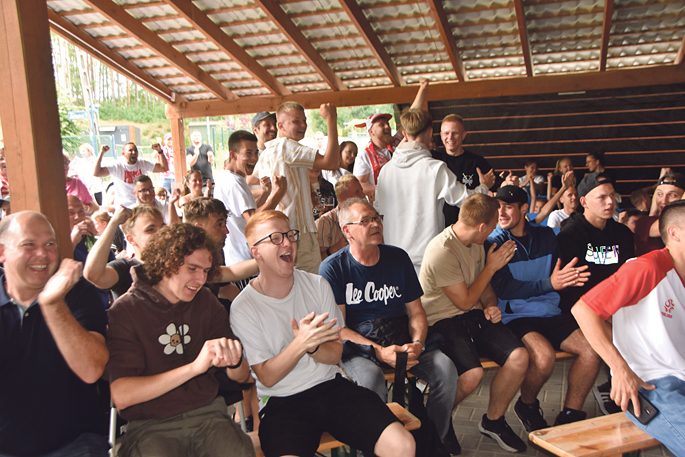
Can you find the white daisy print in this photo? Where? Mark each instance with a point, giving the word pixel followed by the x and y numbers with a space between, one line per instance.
pixel 175 339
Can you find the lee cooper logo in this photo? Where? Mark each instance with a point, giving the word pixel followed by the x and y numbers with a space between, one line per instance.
pixel 668 309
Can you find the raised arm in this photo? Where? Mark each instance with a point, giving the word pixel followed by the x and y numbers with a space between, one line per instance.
pixel 84 351
pixel 279 188
pixel 420 99
pixel 96 269
pixel 331 159
pixel 162 165
pixel 566 182
pixel 99 171
pixel 238 271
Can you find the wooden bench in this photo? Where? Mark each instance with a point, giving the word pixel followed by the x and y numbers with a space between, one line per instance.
pixel 328 442
pixel 610 435
pixel 486 363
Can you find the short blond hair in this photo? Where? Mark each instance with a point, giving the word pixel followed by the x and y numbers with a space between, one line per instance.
pixel 416 120
pixel 259 219
pixel 454 118
pixel 343 184
pixel 286 107
pixel 102 216
pixel 141 210
pixel 478 209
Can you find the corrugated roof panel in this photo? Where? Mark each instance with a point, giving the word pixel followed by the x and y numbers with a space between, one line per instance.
pixel 167 25
pixel 195 47
pixel 301 79
pixel 220 66
pixel 150 62
pixel 163 72
pixel 151 11
pixel 172 36
pixel 67 5
pixel 309 87
pixel 304 68
pixel 177 80
pixel 88 18
pixel 121 42
pixel 252 92
pixel 216 4
pixel 314 5
pixel 104 31
pixel 209 57
pixel 490 73
pixel 575 7
pixel 136 53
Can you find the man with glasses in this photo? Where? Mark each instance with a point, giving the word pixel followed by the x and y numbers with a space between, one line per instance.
pixel 379 295
pixel 144 191
pixel 287 322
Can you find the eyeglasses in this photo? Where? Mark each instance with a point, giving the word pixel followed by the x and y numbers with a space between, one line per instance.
pixel 278 237
pixel 367 220
pixel 147 189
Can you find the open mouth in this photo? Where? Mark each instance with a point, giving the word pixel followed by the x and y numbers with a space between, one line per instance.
pixel 287 257
pixel 38 267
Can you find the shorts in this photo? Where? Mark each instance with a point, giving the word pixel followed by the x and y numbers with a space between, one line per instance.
pixel 470 336
pixel 556 328
pixel 293 425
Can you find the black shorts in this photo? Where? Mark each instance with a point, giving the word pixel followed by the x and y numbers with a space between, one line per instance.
pixel 556 328
pixel 293 425
pixel 470 336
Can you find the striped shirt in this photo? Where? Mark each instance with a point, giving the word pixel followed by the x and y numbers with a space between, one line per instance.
pixel 286 157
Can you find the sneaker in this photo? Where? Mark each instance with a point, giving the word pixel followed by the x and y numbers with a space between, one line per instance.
pixel 530 415
pixel 500 431
pixel 451 442
pixel 603 396
pixel 569 415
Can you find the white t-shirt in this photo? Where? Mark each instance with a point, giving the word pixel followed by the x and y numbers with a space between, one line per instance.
pixel 556 218
pixel 163 208
pixel 362 164
pixel 333 176
pixel 124 174
pixel 263 325
pixel 234 193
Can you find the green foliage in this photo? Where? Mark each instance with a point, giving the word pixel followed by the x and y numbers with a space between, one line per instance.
pixel 346 115
pixel 134 114
pixel 67 127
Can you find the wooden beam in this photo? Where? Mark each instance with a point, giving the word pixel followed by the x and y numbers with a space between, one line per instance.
pixel 681 53
pixel 78 38
pixel 30 118
pixel 356 15
pixel 606 31
pixel 440 18
pixel 178 144
pixel 131 25
pixel 276 14
pixel 614 79
pixel 523 36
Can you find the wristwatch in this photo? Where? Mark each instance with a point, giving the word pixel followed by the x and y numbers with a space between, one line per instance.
pixel 423 345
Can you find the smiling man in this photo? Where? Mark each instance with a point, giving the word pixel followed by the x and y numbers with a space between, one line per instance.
pixel 669 188
pixel 52 346
pixel 168 335
pixel 145 195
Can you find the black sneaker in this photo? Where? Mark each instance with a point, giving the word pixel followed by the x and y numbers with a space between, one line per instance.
pixel 451 442
pixel 530 415
pixel 500 431
pixel 569 415
pixel 603 396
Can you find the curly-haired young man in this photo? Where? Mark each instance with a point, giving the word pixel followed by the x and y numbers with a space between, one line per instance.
pixel 167 336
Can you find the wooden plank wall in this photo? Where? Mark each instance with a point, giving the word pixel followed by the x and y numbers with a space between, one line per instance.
pixel 640 130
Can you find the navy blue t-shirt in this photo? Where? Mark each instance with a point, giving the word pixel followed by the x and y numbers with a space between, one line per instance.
pixel 381 290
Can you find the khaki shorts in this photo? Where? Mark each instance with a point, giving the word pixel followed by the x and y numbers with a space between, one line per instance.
pixel 308 253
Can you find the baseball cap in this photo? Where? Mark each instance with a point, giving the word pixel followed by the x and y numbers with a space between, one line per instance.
pixel 674 179
pixel 590 181
pixel 512 194
pixel 261 116
pixel 373 118
pixel 167 136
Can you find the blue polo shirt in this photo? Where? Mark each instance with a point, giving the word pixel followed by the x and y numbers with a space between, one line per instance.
pixel 43 404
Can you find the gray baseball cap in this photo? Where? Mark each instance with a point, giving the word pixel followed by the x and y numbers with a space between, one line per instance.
pixel 261 116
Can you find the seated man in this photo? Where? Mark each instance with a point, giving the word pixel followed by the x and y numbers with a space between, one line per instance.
pixel 527 296
pixel 669 188
pixel 282 319
pixel 644 298
pixel 52 347
pixel 167 337
pixel 376 289
pixel 329 233
pixel 461 306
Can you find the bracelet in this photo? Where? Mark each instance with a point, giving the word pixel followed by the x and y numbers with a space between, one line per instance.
pixel 233 367
pixel 423 346
pixel 317 348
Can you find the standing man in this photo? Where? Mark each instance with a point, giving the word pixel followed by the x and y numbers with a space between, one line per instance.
pixel 52 346
pixel 461 162
pixel 423 183
pixel 285 156
pixel 376 289
pixel 200 157
pixel 527 295
pixel 125 171
pixel 644 299
pixel 167 149
pixel 265 129
pixel 145 195
pixel 382 144
pixel 286 320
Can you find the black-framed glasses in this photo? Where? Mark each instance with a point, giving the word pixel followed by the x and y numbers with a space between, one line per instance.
pixel 367 220
pixel 147 189
pixel 278 237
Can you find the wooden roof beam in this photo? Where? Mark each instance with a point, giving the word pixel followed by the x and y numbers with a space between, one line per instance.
pixel 614 79
pixel 77 37
pixel 440 18
pixel 356 15
pixel 523 36
pixel 131 25
pixel 294 34
pixel 606 32
pixel 209 29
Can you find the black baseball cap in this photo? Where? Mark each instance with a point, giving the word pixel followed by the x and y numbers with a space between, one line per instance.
pixel 512 194
pixel 590 181
pixel 674 179
pixel 261 116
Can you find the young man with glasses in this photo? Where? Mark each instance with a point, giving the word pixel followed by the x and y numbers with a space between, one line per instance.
pixel 287 322
pixel 144 191
pixel 379 295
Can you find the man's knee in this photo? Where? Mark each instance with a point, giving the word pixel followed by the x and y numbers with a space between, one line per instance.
pixel 395 441
pixel 469 380
pixel 518 360
pixel 541 354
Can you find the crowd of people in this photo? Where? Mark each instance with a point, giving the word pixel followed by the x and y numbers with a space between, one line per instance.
pixel 296 276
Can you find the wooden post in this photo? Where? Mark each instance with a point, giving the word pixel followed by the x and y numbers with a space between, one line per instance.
pixel 179 140
pixel 29 116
